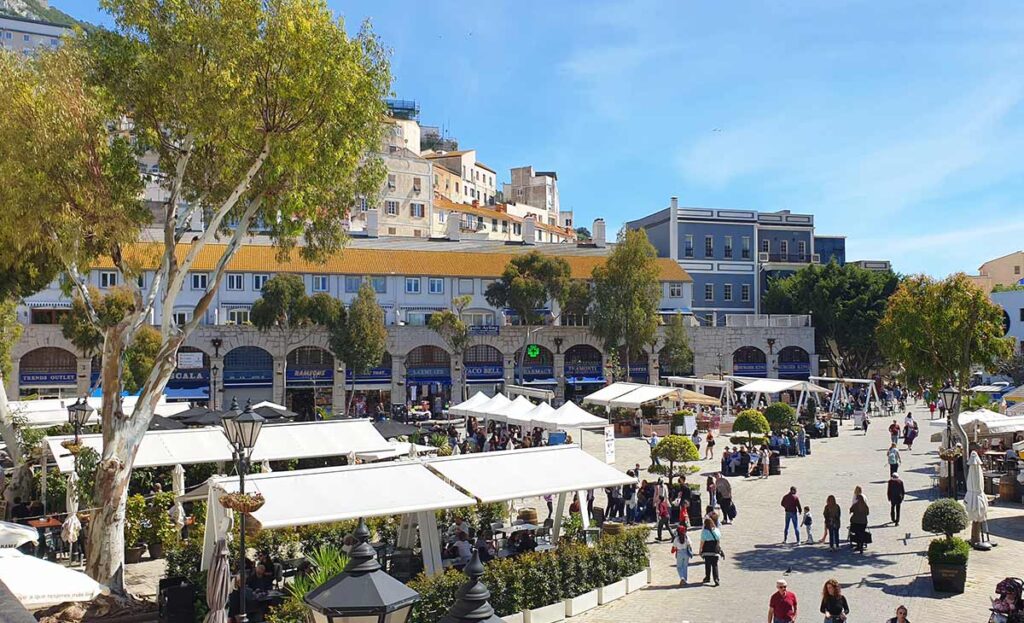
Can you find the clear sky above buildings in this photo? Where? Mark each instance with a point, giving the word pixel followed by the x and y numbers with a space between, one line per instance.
pixel 899 125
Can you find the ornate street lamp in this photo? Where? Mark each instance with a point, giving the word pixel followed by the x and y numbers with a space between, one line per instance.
pixel 951 398
pixel 242 431
pixel 362 593
pixel 472 603
pixel 78 414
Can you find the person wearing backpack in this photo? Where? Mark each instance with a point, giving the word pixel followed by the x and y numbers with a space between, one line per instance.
pixel 710 550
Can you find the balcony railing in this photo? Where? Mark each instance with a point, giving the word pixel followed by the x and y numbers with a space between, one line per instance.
pixel 793 258
pixel 765 320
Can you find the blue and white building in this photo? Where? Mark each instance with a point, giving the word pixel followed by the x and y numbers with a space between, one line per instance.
pixel 732 254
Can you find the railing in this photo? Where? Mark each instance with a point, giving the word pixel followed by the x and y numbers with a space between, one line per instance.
pixel 765 320
pixel 796 258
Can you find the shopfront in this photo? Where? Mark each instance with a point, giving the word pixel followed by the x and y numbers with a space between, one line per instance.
pixel 584 371
pixel 485 370
pixel 750 361
pixel 371 388
pixel 48 372
pixel 794 363
pixel 309 381
pixel 428 377
pixel 190 381
pixel 538 367
pixel 248 375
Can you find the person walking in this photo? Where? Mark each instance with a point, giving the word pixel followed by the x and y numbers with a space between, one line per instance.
pixel 709 448
pixel 867 420
pixel 901 615
pixel 653 443
pixel 895 493
pixel 894 432
pixel 911 435
pixel 893 456
pixel 801 442
pixel 859 512
pixel 723 489
pixel 833 602
pixel 791 504
pixel 710 487
pixel 661 490
pixel 766 457
pixel 832 515
pixel 683 550
pixel 663 517
pixel 782 607
pixel 629 495
pixel 710 550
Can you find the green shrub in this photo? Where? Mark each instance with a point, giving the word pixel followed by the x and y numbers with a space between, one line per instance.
pixel 752 422
pixel 945 516
pixel 780 416
pixel 948 551
pixel 674 450
pixel 158 526
pixel 679 418
pixel 749 441
pixel 134 520
pixel 437 594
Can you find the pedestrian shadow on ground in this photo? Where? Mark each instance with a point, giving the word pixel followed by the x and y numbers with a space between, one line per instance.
pixel 807 557
pixel 925 493
pixel 918 586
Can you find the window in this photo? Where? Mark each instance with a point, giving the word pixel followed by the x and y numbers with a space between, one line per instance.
pixel 141 280
pixel 238 316
pixel 709 246
pixel 380 284
pixel 26 38
pixel 478 319
pixel 258 281
pixel 391 231
pixel 235 281
pixel 494 224
pixel 435 285
pixel 320 283
pixel 1022 314
pixel 727 248
pixel 352 284
pixel 199 281
pixel 7 35
pixel 391 208
pixel 465 286
pixel 416 184
pixel 709 291
pixel 456 187
pixel 688 245
pixel 412 285
pixel 1016 270
pixel 182 317
pixel 784 248
pixel 745 293
pixel 392 183
pixel 675 290
pixel 766 246
pixel 745 249
pixel 363 204
pixel 504 227
pixel 727 292
pixel 801 249
pixel 417 210
pixel 108 279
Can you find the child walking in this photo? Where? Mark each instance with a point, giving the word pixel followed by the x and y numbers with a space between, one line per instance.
pixel 807 521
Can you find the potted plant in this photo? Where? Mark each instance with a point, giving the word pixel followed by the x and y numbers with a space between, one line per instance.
pixel 134 526
pixel 159 530
pixel 679 421
pixel 947 557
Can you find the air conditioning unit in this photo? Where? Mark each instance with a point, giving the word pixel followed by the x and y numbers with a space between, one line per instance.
pixel 762 257
pixel 816 258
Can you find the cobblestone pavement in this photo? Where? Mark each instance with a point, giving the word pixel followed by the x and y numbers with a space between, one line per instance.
pixel 893 571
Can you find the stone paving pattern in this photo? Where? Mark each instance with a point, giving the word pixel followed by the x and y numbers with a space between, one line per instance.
pixel 894 569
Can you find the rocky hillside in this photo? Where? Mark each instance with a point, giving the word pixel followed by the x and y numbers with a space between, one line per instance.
pixel 36 9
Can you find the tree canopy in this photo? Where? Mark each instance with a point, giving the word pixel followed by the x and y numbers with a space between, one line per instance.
pixel 674 449
pixel 454 331
pixel 284 304
pixel 752 422
pixel 846 304
pixel 362 341
pixel 676 351
pixel 780 416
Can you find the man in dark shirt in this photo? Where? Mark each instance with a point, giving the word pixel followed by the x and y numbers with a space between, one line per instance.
pixel 791 504
pixel 895 493
pixel 19 511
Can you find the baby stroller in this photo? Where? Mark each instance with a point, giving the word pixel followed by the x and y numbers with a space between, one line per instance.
pixel 1008 608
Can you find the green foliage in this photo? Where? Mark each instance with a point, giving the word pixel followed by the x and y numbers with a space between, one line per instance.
pixel 325 563
pixel 134 520
pixel 674 449
pixel 627 295
pixel 939 330
pixel 752 422
pixel 440 441
pixel 539 579
pixel 847 302
pixel 780 416
pixel 284 304
pixel 1012 367
pixel 945 516
pixel 679 417
pixel 812 410
pixel 676 354
pixel 362 342
pixel 583 234
pixel 454 331
pixel 158 527
pixel 749 441
pixel 953 551
pixel 10 333
pixel 185 555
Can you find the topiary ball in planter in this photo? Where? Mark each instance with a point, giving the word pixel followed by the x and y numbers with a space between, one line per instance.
pixel 947 557
pixel 946 516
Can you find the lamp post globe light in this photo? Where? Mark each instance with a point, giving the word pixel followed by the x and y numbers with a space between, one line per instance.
pixel 78 414
pixel 951 398
pixel 363 592
pixel 241 430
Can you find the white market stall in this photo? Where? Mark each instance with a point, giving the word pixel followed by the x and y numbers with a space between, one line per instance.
pixel 568 416
pixel 515 413
pixel 605 395
pixel 840 393
pixel 805 389
pixel 482 410
pixel 47 412
pixel 466 407
pixel 399 449
pixel 38 583
pixel 727 396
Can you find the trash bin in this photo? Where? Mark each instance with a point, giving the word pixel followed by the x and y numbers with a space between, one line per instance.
pixel 774 465
pixel 177 600
pixel 833 428
pixel 695 511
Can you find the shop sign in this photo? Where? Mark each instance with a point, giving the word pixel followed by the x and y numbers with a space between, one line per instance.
pixel 795 367
pixel 189 360
pixel 316 375
pixel 374 374
pixel 190 375
pixel 48 378
pixel 491 329
pixel 750 368
pixel 485 371
pixel 586 368
pixel 419 373
pixel 545 371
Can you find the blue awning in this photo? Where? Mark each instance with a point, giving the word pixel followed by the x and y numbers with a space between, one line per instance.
pixel 189 393
pixel 585 380
pixel 98 393
pixel 542 381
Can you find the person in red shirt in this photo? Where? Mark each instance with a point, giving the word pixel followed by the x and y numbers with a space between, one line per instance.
pixel 663 517
pixel 791 503
pixel 782 606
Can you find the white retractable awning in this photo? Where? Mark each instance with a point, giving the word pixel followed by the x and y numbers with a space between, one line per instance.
pixel 398 450
pixel 985 422
pixel 38 583
pixel 568 416
pixel 513 474
pixel 465 408
pixel 277 442
pixel 694 381
pixel 774 386
pixel 987 389
pixel 47 412
pixel 515 412
pixel 605 395
pixel 332 494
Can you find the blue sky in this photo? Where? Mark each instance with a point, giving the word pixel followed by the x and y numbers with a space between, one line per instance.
pixel 899 125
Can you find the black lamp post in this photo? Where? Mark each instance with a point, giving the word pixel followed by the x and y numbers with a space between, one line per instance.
pixel 362 593
pixel 78 414
pixel 472 603
pixel 213 390
pixel 951 398
pixel 242 431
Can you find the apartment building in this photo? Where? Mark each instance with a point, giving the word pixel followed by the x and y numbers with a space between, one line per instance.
pixel 538 189
pixel 497 222
pixel 478 181
pixel 25 36
pixel 1006 270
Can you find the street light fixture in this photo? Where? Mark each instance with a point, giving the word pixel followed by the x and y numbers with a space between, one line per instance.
pixel 951 398
pixel 214 371
pixel 472 603
pixel 242 431
pixel 362 593
pixel 78 414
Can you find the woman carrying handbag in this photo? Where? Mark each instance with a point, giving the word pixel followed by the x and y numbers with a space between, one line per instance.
pixel 710 550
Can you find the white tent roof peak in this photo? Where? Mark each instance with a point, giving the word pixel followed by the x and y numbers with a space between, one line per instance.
pixel 465 408
pixel 516 412
pixel 605 395
pixel 568 416
pixel 482 410
pixel 774 386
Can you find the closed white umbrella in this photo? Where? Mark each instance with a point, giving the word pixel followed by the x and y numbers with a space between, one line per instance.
pixel 218 585
pixel 178 485
pixel 265 466
pixel 38 583
pixel 16 535
pixel 72 526
pixel 975 500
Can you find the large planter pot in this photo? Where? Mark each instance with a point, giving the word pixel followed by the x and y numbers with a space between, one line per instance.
pixel 156 550
pixel 636 581
pixel 513 618
pixel 581 603
pixel 949 578
pixel 545 614
pixel 608 594
pixel 133 555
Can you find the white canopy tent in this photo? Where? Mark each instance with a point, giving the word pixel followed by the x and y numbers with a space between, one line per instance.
pixel 806 389
pixel 465 408
pixel 47 412
pixel 987 389
pixel 725 385
pixel 38 583
pixel 605 395
pixel 515 413
pixel 840 393
pixel 645 394
pixel 399 449
pixel 530 392
pixel 538 412
pixel 482 410
pixel 988 423
pixel 566 417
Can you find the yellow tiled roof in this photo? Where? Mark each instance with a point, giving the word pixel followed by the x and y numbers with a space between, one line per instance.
pixel 362 261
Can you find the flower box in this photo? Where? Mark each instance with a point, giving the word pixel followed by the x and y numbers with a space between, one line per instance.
pixel 513 618
pixel 545 614
pixel 608 594
pixel 581 603
pixel 636 581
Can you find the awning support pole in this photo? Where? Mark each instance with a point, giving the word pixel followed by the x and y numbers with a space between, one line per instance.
pixel 430 542
pixel 556 528
pixel 584 511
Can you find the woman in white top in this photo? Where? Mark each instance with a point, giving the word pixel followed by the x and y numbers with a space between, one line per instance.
pixel 684 551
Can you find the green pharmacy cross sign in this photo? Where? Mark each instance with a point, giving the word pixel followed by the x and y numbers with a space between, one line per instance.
pixel 533 350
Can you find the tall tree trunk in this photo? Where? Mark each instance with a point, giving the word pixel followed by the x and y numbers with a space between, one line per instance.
pixel 21 481
pixel 351 393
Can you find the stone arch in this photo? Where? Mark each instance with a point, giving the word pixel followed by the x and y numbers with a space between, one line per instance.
pixel 794 363
pixel 484 362
pixel 749 361
pixel 667 369
pixel 583 360
pixel 540 366
pixel 48 367
pixel 426 355
pixel 309 357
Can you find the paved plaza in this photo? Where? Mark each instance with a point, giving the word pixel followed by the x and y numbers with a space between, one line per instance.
pixel 894 570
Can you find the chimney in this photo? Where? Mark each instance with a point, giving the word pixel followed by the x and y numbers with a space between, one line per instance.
pixel 454 226
pixel 673 228
pixel 372 223
pixel 598 232
pixel 529 231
